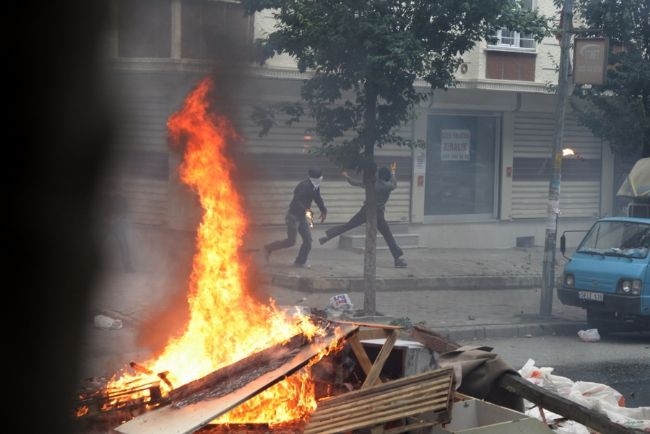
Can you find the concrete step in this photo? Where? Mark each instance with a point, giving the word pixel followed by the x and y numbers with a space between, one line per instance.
pixel 395 228
pixel 357 242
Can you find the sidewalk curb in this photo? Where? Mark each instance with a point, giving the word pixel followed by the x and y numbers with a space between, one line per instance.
pixel 356 284
pixel 525 330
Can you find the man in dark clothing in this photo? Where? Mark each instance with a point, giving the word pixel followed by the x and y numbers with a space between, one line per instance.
pixel 384 185
pixel 296 219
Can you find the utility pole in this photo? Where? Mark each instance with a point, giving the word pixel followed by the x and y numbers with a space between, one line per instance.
pixel 553 208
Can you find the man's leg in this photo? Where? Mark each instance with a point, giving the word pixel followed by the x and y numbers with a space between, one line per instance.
pixel 384 230
pixel 305 247
pixel 357 220
pixel 292 232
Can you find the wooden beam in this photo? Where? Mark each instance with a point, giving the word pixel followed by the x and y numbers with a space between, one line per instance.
pixel 562 406
pixel 231 377
pixel 360 353
pixel 373 375
pixel 169 419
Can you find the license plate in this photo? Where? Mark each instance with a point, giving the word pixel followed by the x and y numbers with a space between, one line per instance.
pixel 590 296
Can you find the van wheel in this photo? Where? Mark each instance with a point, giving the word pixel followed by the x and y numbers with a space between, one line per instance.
pixel 596 320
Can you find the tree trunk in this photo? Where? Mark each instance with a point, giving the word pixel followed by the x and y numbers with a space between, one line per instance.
pixel 370 252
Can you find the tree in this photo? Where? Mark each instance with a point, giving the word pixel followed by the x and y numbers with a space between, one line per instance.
pixel 619 111
pixel 364 57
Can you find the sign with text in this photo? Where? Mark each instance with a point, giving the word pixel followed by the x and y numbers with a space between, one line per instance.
pixel 454 145
pixel 590 60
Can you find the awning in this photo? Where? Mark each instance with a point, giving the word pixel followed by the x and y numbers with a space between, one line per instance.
pixel 637 182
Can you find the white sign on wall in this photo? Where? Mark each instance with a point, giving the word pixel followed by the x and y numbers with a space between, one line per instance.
pixel 454 145
pixel 420 166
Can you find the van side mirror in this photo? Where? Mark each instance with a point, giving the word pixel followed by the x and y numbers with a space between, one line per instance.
pixel 563 244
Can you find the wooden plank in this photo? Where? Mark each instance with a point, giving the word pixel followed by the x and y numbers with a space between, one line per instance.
pixel 406 392
pixel 171 420
pixel 562 406
pixel 424 403
pixel 369 324
pixel 360 353
pixel 372 333
pixel 433 340
pixel 391 385
pixel 230 378
pixel 373 375
pixel 358 422
pixel 395 400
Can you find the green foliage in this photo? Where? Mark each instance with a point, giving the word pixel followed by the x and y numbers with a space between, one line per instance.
pixel 619 111
pixel 364 58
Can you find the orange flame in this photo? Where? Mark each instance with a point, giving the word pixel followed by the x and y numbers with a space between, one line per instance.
pixel 226 324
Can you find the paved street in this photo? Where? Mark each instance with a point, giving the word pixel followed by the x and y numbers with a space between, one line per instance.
pixel 620 361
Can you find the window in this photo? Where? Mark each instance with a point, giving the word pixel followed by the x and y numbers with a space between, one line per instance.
pixel 461 167
pixel 512 39
pixel 211 28
pixel 506 38
pixel 144 28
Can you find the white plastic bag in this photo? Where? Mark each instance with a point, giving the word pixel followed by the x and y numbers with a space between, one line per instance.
pixel 589 335
pixel 341 302
pixel 106 322
pixel 599 397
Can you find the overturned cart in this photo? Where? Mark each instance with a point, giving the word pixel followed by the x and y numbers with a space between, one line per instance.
pixel 378 382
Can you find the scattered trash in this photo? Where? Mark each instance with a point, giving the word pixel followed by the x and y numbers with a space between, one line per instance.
pixel 402 322
pixel 106 322
pixel 528 335
pixel 471 317
pixel 589 335
pixel 341 302
pixel 594 396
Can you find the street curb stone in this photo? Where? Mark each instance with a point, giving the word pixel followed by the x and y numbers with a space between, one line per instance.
pixel 356 284
pixel 465 333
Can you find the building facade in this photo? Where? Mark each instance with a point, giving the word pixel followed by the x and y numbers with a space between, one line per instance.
pixel 481 181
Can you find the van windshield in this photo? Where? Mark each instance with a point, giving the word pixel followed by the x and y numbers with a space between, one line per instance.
pixel 617 239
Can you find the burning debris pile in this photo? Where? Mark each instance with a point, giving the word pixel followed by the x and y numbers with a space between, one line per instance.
pixel 226 324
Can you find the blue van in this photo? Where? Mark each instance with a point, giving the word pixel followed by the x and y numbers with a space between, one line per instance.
pixel 609 274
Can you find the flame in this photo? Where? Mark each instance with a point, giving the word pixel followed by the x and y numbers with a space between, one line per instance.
pixel 226 324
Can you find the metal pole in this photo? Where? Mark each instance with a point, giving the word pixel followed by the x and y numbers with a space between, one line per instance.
pixel 553 208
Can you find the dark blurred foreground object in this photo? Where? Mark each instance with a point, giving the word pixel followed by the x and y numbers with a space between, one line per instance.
pixel 54 166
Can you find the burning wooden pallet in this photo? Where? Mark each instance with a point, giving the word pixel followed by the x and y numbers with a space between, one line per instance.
pixel 429 392
pixel 196 404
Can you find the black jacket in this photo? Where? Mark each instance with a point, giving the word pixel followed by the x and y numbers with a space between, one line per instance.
pixel 303 194
pixel 382 189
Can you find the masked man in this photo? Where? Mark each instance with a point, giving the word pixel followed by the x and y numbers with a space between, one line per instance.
pixel 296 219
pixel 384 185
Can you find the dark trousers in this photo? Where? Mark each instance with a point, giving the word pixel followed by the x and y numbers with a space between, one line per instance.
pixel 295 226
pixel 360 218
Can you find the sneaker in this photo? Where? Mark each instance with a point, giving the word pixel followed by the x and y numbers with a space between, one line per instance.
pixel 323 240
pixel 299 265
pixel 400 263
pixel 267 254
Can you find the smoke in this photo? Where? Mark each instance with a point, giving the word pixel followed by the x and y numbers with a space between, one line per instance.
pixel 149 217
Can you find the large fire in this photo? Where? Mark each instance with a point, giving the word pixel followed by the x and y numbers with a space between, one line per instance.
pixel 226 324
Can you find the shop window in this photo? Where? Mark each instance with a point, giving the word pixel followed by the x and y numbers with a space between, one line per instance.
pixel 144 28
pixel 209 28
pixel 461 160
